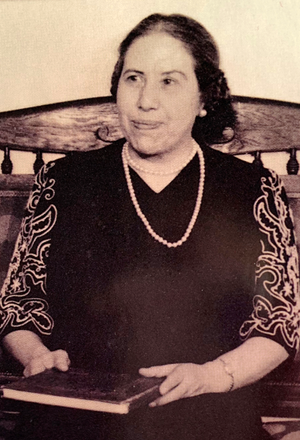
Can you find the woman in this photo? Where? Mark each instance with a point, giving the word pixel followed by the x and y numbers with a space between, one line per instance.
pixel 141 256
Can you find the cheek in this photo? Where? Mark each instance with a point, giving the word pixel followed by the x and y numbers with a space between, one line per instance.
pixel 185 105
pixel 126 103
pixel 184 113
pixel 195 103
pixel 123 105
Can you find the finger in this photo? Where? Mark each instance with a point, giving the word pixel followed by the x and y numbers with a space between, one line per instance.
pixel 175 394
pixel 157 371
pixel 58 359
pixel 173 380
pixel 34 367
pixel 48 360
pixel 61 360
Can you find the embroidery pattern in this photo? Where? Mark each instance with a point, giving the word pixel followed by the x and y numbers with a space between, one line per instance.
pixel 277 273
pixel 27 269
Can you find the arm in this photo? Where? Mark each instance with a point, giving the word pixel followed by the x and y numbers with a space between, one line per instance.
pixel 29 350
pixel 240 367
pixel 272 330
pixel 23 303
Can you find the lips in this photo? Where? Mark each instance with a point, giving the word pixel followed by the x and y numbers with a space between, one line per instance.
pixel 146 125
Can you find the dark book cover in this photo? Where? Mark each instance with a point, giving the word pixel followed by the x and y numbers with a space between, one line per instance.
pixel 115 393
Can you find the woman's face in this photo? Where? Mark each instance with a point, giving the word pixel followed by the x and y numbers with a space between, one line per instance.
pixel 158 96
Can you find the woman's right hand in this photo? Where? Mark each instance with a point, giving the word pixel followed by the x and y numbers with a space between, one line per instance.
pixel 45 360
pixel 29 350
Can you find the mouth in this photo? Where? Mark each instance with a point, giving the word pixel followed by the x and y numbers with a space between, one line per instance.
pixel 146 125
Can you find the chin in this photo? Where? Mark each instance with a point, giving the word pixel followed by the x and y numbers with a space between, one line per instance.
pixel 148 148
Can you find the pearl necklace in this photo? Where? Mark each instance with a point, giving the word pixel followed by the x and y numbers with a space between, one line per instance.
pixel 143 217
pixel 138 167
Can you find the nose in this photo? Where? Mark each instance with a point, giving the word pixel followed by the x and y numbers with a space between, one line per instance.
pixel 148 97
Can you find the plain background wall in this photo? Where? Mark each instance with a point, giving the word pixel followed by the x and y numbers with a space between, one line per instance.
pixel 60 50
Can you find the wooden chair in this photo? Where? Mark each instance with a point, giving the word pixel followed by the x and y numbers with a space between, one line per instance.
pixel 264 126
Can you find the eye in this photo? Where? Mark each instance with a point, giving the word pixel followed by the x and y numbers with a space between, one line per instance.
pixel 133 79
pixel 168 81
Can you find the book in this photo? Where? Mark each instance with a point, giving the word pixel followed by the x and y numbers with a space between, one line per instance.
pixel 114 393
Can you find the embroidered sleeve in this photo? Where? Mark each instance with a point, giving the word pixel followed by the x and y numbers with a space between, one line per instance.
pixel 276 305
pixel 23 303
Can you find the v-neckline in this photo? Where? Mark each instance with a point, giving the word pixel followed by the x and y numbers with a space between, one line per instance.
pixel 148 184
pixel 136 176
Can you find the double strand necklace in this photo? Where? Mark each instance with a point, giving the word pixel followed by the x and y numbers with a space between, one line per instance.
pixel 138 167
pixel 142 216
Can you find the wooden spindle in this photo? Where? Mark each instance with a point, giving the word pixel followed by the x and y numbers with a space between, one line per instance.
pixel 6 165
pixel 257 159
pixel 38 162
pixel 293 165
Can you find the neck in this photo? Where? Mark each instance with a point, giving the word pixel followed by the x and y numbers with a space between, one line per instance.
pixel 158 177
pixel 168 163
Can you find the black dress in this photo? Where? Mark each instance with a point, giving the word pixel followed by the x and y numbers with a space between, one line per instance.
pixel 87 276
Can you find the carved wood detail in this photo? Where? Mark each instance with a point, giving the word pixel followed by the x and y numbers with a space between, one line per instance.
pixel 263 125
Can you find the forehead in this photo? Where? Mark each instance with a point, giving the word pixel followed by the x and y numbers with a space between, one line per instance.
pixel 158 51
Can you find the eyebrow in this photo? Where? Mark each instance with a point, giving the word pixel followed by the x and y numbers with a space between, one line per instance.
pixel 171 72
pixel 133 71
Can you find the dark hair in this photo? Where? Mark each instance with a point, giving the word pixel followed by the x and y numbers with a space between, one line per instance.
pixel 212 82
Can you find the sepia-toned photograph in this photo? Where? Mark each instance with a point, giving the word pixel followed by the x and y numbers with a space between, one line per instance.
pixel 149 215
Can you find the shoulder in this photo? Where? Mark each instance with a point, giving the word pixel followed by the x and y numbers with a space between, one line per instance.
pixel 79 162
pixel 225 161
pixel 80 168
pixel 78 174
pixel 235 173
